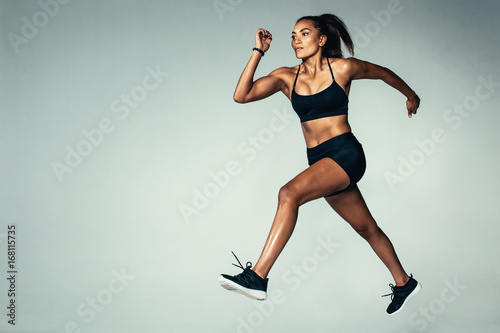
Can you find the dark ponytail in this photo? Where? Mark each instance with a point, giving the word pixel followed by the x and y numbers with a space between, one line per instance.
pixel 335 31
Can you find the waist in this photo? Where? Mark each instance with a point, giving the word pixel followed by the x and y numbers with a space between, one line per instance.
pixel 333 143
pixel 319 130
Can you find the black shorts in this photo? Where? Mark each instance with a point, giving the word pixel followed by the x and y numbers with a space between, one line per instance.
pixel 344 149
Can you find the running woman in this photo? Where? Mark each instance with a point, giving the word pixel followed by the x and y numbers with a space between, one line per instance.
pixel 318 89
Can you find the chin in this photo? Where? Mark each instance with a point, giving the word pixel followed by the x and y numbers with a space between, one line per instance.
pixel 302 55
pixel 299 56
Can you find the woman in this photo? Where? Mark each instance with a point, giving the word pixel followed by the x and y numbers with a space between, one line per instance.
pixel 318 89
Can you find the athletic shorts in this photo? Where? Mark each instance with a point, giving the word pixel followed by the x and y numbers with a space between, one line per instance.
pixel 344 149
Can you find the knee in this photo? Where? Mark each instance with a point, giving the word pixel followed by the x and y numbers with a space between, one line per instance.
pixel 288 195
pixel 369 232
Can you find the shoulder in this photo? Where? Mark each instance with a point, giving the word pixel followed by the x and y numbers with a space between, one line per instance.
pixel 284 72
pixel 359 69
pixel 347 65
pixel 286 75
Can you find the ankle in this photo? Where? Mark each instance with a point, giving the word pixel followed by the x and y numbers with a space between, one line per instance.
pixel 402 281
pixel 261 274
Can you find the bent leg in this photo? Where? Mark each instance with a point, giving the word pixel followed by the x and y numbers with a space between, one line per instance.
pixel 320 179
pixel 351 206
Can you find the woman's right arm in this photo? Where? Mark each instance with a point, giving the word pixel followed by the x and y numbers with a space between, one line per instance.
pixel 247 90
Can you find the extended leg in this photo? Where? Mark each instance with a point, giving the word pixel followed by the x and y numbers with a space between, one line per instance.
pixel 351 206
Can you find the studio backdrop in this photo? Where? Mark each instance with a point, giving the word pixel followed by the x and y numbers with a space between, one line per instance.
pixel 129 174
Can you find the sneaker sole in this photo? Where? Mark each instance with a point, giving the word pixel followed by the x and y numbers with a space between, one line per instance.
pixel 230 285
pixel 413 294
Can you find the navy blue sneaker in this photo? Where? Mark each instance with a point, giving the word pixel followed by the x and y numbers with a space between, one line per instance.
pixel 247 282
pixel 401 295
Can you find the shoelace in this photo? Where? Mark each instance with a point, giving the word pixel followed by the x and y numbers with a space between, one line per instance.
pixel 249 264
pixel 392 288
pixel 391 294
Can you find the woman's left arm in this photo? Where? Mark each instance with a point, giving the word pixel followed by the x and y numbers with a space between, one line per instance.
pixel 359 69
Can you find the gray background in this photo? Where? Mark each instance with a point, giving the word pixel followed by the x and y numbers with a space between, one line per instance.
pixel 119 211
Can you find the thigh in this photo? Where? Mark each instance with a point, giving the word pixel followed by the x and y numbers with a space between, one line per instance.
pixel 351 206
pixel 320 179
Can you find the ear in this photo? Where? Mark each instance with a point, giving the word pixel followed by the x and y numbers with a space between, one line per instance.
pixel 322 40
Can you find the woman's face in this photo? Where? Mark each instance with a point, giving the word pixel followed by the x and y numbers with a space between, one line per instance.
pixel 306 40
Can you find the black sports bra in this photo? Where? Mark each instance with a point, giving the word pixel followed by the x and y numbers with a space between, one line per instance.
pixel 331 101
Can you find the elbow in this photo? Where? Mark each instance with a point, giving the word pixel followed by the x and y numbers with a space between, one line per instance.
pixel 386 74
pixel 241 95
pixel 238 98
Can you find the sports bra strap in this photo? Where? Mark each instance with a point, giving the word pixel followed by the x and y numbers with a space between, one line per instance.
pixel 298 70
pixel 328 61
pixel 296 76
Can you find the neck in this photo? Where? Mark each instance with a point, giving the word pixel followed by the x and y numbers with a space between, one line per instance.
pixel 314 63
